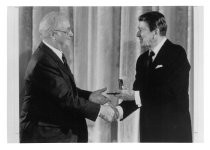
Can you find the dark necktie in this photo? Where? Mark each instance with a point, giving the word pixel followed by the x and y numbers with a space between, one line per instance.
pixel 149 63
pixel 71 75
pixel 65 61
pixel 66 65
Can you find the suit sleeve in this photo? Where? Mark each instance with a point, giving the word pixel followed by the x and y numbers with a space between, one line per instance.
pixel 136 85
pixel 179 80
pixel 83 93
pixel 48 78
pixel 130 106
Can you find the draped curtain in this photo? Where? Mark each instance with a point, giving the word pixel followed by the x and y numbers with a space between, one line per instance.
pixel 104 49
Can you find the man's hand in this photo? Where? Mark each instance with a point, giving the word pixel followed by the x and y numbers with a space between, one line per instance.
pixel 98 98
pixel 109 113
pixel 126 95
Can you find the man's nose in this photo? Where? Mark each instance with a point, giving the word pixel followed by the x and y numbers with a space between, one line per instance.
pixel 71 33
pixel 138 34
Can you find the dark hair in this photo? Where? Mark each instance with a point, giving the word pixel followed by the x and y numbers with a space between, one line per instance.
pixel 155 20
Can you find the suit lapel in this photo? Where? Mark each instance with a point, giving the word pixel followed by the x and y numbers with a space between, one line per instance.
pixel 160 56
pixel 57 60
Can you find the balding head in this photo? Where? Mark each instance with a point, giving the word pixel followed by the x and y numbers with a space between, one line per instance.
pixel 51 22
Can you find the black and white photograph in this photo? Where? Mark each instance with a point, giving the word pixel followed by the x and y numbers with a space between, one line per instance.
pixel 105 74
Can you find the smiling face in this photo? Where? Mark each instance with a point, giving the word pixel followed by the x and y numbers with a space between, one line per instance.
pixel 145 36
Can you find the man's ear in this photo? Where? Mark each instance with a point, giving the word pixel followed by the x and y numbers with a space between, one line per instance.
pixel 52 35
pixel 156 33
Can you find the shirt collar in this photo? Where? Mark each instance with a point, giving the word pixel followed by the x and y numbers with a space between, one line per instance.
pixel 158 47
pixel 55 50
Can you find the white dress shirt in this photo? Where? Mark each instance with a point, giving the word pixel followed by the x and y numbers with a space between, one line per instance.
pixel 137 93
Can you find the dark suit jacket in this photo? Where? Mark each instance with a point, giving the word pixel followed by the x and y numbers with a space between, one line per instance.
pixel 164 114
pixel 54 109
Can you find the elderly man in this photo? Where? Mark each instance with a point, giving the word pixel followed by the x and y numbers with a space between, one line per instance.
pixel 54 109
pixel 161 85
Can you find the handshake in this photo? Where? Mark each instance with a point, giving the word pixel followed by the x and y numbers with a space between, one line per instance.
pixel 108 111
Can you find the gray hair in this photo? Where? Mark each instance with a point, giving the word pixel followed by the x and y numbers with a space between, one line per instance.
pixel 50 22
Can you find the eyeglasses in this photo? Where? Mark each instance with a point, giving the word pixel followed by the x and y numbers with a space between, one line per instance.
pixel 67 33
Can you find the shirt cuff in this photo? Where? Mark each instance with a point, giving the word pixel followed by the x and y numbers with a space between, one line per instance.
pixel 99 111
pixel 120 110
pixel 137 99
